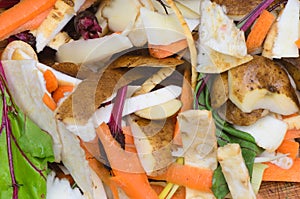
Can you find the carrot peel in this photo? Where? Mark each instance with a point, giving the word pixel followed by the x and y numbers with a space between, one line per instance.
pixel 21 13
pixel 259 31
pixel 188 176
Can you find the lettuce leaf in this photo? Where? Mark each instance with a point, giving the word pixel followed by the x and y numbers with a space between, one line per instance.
pixel 25 151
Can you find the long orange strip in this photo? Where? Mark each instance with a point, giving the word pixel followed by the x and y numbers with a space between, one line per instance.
pixel 21 13
pixel 188 176
pixel 129 175
pixel 32 24
pixel 259 31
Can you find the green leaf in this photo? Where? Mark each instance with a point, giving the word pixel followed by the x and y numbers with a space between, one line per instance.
pixel 29 149
pixel 219 184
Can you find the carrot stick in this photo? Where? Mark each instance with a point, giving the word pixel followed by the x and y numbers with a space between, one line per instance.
pixel 129 174
pixel 21 13
pixel 33 23
pixel 49 102
pixel 289 147
pixel 292 134
pixel 61 91
pixel 275 173
pixel 259 31
pixel 188 176
pixel 163 51
pixel 51 81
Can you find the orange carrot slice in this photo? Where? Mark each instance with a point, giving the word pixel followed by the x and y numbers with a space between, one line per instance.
pixel 21 13
pixel 51 81
pixel 163 51
pixel 61 91
pixel 275 173
pixel 259 31
pixel 188 176
pixel 292 134
pixel 129 174
pixel 33 23
pixel 49 102
pixel 289 147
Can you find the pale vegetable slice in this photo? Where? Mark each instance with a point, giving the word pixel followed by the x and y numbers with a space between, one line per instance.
pixel 58 17
pixel 72 154
pixel 284 33
pixel 101 20
pixel 92 50
pixel 161 29
pixel 153 143
pixel 197 130
pixel 262 84
pixel 212 61
pixel 189 11
pixel 219 90
pixel 219 32
pixel 257 174
pixel 18 50
pixel 264 129
pixel 138 35
pixel 139 102
pixel 154 80
pixel 27 87
pixel 161 111
pixel 59 39
pixel 293 122
pixel 121 13
pixel 98 188
pixel 194 5
pixel 235 171
pixel 190 42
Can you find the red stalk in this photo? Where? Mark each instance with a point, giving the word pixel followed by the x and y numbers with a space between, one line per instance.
pixel 248 20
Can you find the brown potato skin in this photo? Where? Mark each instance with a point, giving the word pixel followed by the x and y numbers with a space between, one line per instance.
pixel 234 115
pixel 160 136
pixel 260 73
pixel 293 69
pixel 238 8
pixel 219 90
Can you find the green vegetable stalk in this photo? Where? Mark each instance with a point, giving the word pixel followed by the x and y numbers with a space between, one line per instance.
pixel 25 151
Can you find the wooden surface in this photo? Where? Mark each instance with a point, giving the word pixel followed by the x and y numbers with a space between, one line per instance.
pixel 279 190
